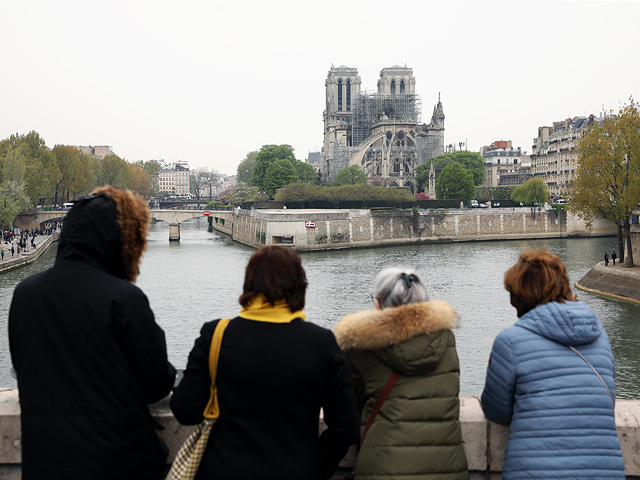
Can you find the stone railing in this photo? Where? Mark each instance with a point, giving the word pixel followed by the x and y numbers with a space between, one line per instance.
pixel 484 441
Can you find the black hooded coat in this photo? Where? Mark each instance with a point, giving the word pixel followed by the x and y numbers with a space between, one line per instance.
pixel 89 358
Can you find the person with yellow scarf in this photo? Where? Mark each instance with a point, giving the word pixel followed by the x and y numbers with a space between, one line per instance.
pixel 275 373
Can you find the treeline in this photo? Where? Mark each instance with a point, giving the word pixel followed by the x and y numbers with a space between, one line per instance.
pixel 33 174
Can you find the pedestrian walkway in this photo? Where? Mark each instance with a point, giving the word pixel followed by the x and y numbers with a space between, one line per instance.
pixel 25 256
pixel 614 281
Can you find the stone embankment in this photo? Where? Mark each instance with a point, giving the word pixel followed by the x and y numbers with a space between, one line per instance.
pixel 24 258
pixel 337 229
pixel 614 281
pixel 484 441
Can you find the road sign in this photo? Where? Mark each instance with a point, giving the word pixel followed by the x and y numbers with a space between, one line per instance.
pixel 310 224
pixel 207 212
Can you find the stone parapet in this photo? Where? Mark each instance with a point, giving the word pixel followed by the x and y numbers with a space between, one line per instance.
pixel 484 441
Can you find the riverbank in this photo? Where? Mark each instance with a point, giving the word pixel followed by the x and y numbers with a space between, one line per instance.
pixel 24 258
pixel 612 281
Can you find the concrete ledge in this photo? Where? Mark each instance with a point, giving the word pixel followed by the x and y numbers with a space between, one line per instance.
pixel 484 441
pixel 620 282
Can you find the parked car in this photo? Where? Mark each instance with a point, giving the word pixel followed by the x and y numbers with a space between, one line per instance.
pixel 474 204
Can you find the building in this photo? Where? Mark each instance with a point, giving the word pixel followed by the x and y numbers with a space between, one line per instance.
pixel 173 178
pixel 314 159
pixel 502 160
pixel 554 157
pixel 381 132
pixel 99 151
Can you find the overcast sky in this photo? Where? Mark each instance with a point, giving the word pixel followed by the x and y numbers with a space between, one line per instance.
pixel 209 81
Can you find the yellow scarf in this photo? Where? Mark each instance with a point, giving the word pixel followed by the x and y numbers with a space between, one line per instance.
pixel 262 311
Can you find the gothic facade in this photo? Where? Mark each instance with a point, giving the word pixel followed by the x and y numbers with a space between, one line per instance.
pixel 380 132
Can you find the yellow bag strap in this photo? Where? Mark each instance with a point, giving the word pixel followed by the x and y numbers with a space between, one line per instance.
pixel 213 409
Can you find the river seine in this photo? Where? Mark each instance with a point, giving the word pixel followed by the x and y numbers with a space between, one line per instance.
pixel 200 279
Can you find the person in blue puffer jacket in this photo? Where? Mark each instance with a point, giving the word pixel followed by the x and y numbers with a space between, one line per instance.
pixel 561 413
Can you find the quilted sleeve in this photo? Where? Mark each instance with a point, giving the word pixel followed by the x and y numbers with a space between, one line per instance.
pixel 497 396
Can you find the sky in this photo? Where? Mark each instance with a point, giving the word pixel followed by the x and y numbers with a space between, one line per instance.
pixel 209 81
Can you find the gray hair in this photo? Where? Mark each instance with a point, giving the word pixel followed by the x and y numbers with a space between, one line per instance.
pixel 399 286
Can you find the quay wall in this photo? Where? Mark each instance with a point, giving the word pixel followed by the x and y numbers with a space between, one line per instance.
pixel 484 441
pixel 335 229
pixel 618 281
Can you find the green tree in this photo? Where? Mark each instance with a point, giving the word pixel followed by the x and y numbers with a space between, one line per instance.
pixel 265 157
pixel 532 191
pixel 455 182
pixel 281 172
pixel 607 178
pixel 152 169
pixel 351 175
pixel 306 173
pixel 299 192
pixel 242 193
pixel 115 171
pixel 245 169
pixel 12 201
pixel 471 161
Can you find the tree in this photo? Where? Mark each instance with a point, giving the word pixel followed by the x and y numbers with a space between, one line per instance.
pixel 471 161
pixel 211 178
pixel 245 169
pixel 306 173
pixel 299 192
pixel 455 182
pixel 115 171
pixel 12 201
pixel 265 157
pixel 197 182
pixel 280 173
pixel 533 191
pixel 351 175
pixel 242 193
pixel 607 177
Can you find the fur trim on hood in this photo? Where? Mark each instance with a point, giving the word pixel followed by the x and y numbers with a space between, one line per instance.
pixel 375 329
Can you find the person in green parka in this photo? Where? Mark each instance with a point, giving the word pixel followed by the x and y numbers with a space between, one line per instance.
pixel 416 434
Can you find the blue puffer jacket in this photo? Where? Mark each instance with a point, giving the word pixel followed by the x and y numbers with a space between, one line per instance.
pixel 561 416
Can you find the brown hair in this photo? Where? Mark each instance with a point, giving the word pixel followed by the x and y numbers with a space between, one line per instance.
pixel 275 272
pixel 539 277
pixel 133 218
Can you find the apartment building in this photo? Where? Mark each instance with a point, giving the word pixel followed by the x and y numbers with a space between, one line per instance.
pixel 173 178
pixel 501 159
pixel 554 157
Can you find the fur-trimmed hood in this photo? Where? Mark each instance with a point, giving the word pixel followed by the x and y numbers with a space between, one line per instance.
pixel 108 230
pixel 377 329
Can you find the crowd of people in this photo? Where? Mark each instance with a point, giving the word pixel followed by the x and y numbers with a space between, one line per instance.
pixel 90 357
pixel 24 241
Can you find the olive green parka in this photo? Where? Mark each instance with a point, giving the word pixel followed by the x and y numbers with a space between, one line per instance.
pixel 416 434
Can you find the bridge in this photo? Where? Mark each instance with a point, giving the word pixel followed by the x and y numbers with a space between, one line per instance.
pixel 174 218
pixel 28 221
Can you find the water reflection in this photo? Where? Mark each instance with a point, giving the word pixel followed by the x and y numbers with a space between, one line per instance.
pixel 201 277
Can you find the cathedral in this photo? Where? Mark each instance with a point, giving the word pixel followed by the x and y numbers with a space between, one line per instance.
pixel 380 132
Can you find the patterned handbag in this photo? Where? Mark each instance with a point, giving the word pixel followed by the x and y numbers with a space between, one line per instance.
pixel 185 465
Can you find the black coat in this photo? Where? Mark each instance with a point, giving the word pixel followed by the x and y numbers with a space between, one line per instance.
pixel 89 358
pixel 272 381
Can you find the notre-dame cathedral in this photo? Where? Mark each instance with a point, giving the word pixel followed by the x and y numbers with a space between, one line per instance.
pixel 380 132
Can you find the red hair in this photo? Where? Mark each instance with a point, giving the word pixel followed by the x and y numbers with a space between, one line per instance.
pixel 539 277
pixel 275 272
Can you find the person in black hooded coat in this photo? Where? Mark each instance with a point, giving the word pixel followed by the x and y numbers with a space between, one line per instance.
pixel 88 353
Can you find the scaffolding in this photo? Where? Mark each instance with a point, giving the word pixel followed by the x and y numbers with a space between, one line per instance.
pixel 370 108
